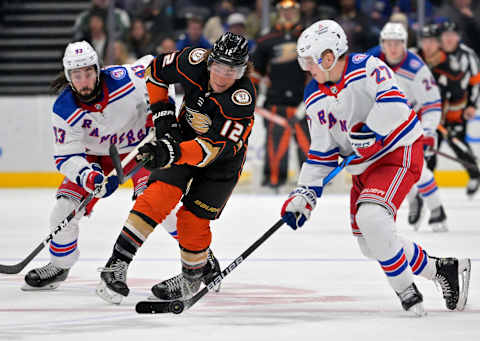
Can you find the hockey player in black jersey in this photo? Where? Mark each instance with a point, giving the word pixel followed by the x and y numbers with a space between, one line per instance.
pixel 456 71
pixel 196 159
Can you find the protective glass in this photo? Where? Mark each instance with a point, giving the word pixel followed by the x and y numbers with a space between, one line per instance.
pixel 227 71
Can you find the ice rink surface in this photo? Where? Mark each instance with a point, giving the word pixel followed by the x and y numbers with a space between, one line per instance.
pixel 311 284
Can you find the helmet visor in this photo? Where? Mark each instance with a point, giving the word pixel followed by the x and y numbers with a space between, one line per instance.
pixel 227 71
pixel 307 62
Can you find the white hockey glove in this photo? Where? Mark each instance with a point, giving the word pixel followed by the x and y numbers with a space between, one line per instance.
pixel 297 208
pixel 429 143
pixel 365 142
pixel 91 178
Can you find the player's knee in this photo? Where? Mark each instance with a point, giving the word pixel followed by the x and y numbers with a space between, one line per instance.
pixel 371 218
pixel 157 201
pixel 193 232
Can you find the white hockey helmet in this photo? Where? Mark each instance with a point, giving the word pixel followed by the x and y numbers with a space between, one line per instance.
pixel 393 31
pixel 319 37
pixel 77 55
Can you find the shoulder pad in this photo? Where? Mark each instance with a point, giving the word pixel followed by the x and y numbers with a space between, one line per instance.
pixel 311 87
pixel 238 101
pixel 192 64
pixel 375 51
pixel 413 62
pixel 65 104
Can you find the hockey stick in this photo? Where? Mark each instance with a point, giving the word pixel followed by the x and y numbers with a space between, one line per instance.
pixel 178 306
pixel 16 268
pixel 117 162
pixel 453 139
pixel 467 164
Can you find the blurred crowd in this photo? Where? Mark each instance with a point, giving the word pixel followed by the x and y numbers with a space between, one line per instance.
pixel 159 26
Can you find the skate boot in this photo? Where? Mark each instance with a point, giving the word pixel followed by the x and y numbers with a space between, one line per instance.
pixel 416 212
pixel 177 287
pixel 113 285
pixel 210 275
pixel 447 277
pixel 438 220
pixel 411 300
pixel 472 187
pixel 47 277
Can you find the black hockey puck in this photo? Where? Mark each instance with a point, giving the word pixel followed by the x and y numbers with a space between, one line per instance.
pixel 177 307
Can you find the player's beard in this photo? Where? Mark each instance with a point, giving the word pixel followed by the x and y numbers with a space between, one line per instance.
pixel 87 94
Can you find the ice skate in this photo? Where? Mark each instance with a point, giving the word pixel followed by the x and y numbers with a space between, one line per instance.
pixel 113 285
pixel 177 287
pixel 416 212
pixel 47 277
pixel 472 187
pixel 438 220
pixel 215 265
pixel 455 292
pixel 412 300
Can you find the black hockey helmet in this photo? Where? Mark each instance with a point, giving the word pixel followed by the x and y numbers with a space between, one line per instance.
pixel 230 49
pixel 447 25
pixel 430 31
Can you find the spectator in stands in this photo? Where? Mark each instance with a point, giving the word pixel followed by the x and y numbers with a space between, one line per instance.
pixel 462 14
pixel 167 45
pixel 100 7
pixel 236 24
pixel 96 35
pixel 121 55
pixel 139 41
pixel 254 21
pixel 194 35
pixel 310 12
pixel 217 25
pixel 357 27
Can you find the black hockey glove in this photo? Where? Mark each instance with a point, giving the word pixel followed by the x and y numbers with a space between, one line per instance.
pixel 161 153
pixel 165 121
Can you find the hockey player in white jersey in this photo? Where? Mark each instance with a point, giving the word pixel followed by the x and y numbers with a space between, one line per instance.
pixel 423 95
pixel 96 108
pixel 354 105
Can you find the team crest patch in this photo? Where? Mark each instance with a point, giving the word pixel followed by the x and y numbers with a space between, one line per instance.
pixel 358 58
pixel 415 64
pixel 241 97
pixel 118 74
pixel 196 56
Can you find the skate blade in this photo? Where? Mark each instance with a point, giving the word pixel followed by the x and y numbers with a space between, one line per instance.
pixel 439 227
pixel 48 287
pixel 464 269
pixel 107 294
pixel 417 310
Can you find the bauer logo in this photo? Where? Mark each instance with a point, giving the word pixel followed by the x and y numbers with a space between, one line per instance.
pixel 358 58
pixel 118 74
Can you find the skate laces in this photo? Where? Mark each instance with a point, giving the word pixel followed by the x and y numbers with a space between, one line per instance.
pixel 48 271
pixel 118 268
pixel 174 283
pixel 408 293
pixel 442 282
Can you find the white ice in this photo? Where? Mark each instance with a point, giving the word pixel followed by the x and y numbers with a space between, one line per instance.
pixel 299 285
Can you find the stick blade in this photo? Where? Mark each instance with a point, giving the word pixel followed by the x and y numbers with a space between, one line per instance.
pixel 117 162
pixel 159 307
pixel 11 269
